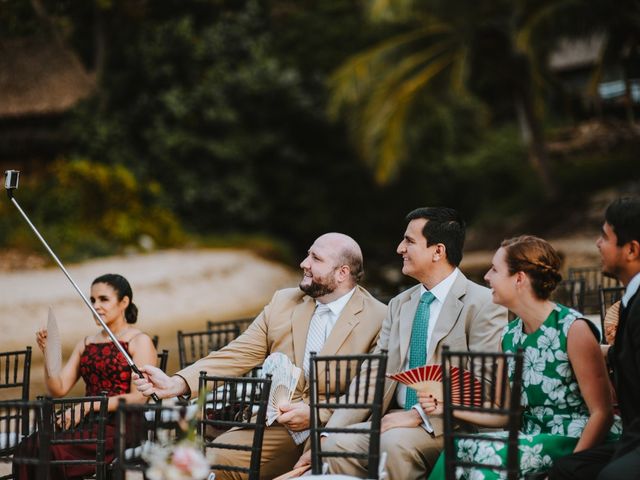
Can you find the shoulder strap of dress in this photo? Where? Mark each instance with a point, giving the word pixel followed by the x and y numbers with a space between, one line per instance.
pixel 135 336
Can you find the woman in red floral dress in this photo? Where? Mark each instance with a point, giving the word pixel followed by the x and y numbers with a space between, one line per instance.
pixel 101 365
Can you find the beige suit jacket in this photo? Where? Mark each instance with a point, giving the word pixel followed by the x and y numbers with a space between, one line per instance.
pixel 282 326
pixel 469 320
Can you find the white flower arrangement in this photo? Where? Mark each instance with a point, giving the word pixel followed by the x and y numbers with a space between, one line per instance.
pixel 183 461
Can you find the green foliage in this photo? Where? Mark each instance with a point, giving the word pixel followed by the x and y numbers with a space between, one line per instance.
pixel 206 110
pixel 84 209
pixel 214 112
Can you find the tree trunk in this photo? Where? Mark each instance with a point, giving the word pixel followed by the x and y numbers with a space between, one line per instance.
pixel 533 137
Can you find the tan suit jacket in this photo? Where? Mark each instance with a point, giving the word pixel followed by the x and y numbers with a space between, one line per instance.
pixel 282 326
pixel 469 320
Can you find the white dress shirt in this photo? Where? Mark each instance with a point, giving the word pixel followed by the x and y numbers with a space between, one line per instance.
pixel 440 292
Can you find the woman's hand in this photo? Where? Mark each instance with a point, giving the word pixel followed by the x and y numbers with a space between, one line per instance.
pixel 430 404
pixel 41 339
pixel 68 418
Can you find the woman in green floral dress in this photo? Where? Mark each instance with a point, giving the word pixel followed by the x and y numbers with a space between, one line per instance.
pixel 566 394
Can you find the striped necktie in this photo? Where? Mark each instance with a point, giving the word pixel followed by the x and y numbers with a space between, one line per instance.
pixel 317 334
pixel 418 345
pixel 315 341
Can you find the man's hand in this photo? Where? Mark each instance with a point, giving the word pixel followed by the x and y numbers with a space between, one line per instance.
pixel 158 382
pixel 295 416
pixel 430 404
pixel 407 418
pixel 304 460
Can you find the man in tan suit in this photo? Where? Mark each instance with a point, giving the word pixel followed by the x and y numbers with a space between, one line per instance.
pixel 460 314
pixel 350 324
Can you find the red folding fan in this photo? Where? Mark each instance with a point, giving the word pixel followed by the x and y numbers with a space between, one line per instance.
pixel 465 388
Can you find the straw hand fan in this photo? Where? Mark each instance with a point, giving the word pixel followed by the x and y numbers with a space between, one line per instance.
pixel 428 379
pixel 53 351
pixel 284 378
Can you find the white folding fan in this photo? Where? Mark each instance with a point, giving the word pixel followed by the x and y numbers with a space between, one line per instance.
pixel 53 352
pixel 284 378
pixel 465 388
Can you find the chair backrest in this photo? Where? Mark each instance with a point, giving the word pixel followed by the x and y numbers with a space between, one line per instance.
pixel 463 392
pixel 241 323
pixel 192 346
pixel 86 426
pixel 593 280
pixel 19 422
pixel 155 339
pixel 163 360
pixel 570 293
pixel 239 402
pixel 143 427
pixel 347 382
pixel 15 372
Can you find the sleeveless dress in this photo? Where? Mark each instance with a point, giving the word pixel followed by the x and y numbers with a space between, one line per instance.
pixel 103 369
pixel 555 413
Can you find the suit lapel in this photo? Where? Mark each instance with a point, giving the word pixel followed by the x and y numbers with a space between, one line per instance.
pixel 300 320
pixel 448 315
pixel 344 324
pixel 407 314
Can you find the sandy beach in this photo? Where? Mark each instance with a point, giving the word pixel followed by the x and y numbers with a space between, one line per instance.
pixel 175 289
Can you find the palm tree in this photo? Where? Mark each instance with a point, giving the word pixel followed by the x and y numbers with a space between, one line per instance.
pixel 443 45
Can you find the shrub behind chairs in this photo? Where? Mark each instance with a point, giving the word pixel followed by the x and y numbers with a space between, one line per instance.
pixel 491 399
pixel 234 402
pixel 347 382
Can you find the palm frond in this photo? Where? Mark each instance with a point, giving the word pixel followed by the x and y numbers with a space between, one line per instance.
pixel 357 75
pixel 394 76
pixel 390 10
pixel 384 130
pixel 528 27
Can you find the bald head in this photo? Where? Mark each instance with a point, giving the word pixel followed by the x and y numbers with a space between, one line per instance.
pixel 346 251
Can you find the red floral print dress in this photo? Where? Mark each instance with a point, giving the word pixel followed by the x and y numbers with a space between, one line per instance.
pixel 103 368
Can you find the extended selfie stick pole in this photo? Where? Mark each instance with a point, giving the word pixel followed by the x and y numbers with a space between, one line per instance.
pixel 11 184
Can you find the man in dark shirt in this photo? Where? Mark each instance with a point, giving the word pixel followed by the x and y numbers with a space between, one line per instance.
pixel 619 246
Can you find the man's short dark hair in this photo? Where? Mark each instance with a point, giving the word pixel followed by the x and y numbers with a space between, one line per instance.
pixel 444 225
pixel 624 217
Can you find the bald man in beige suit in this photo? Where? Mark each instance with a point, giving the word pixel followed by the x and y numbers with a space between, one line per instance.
pixel 462 316
pixel 331 270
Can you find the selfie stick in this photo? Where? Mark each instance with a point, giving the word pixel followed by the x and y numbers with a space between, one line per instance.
pixel 11 184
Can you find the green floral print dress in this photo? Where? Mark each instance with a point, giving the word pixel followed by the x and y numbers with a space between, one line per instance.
pixel 555 413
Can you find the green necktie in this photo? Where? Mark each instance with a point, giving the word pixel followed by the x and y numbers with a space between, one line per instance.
pixel 418 345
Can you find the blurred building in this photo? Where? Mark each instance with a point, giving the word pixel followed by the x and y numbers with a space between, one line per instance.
pixel 40 80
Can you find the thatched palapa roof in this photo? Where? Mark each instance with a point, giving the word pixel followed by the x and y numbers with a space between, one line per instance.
pixel 39 76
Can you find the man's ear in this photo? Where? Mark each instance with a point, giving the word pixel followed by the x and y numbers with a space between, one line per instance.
pixel 440 252
pixel 634 250
pixel 344 272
